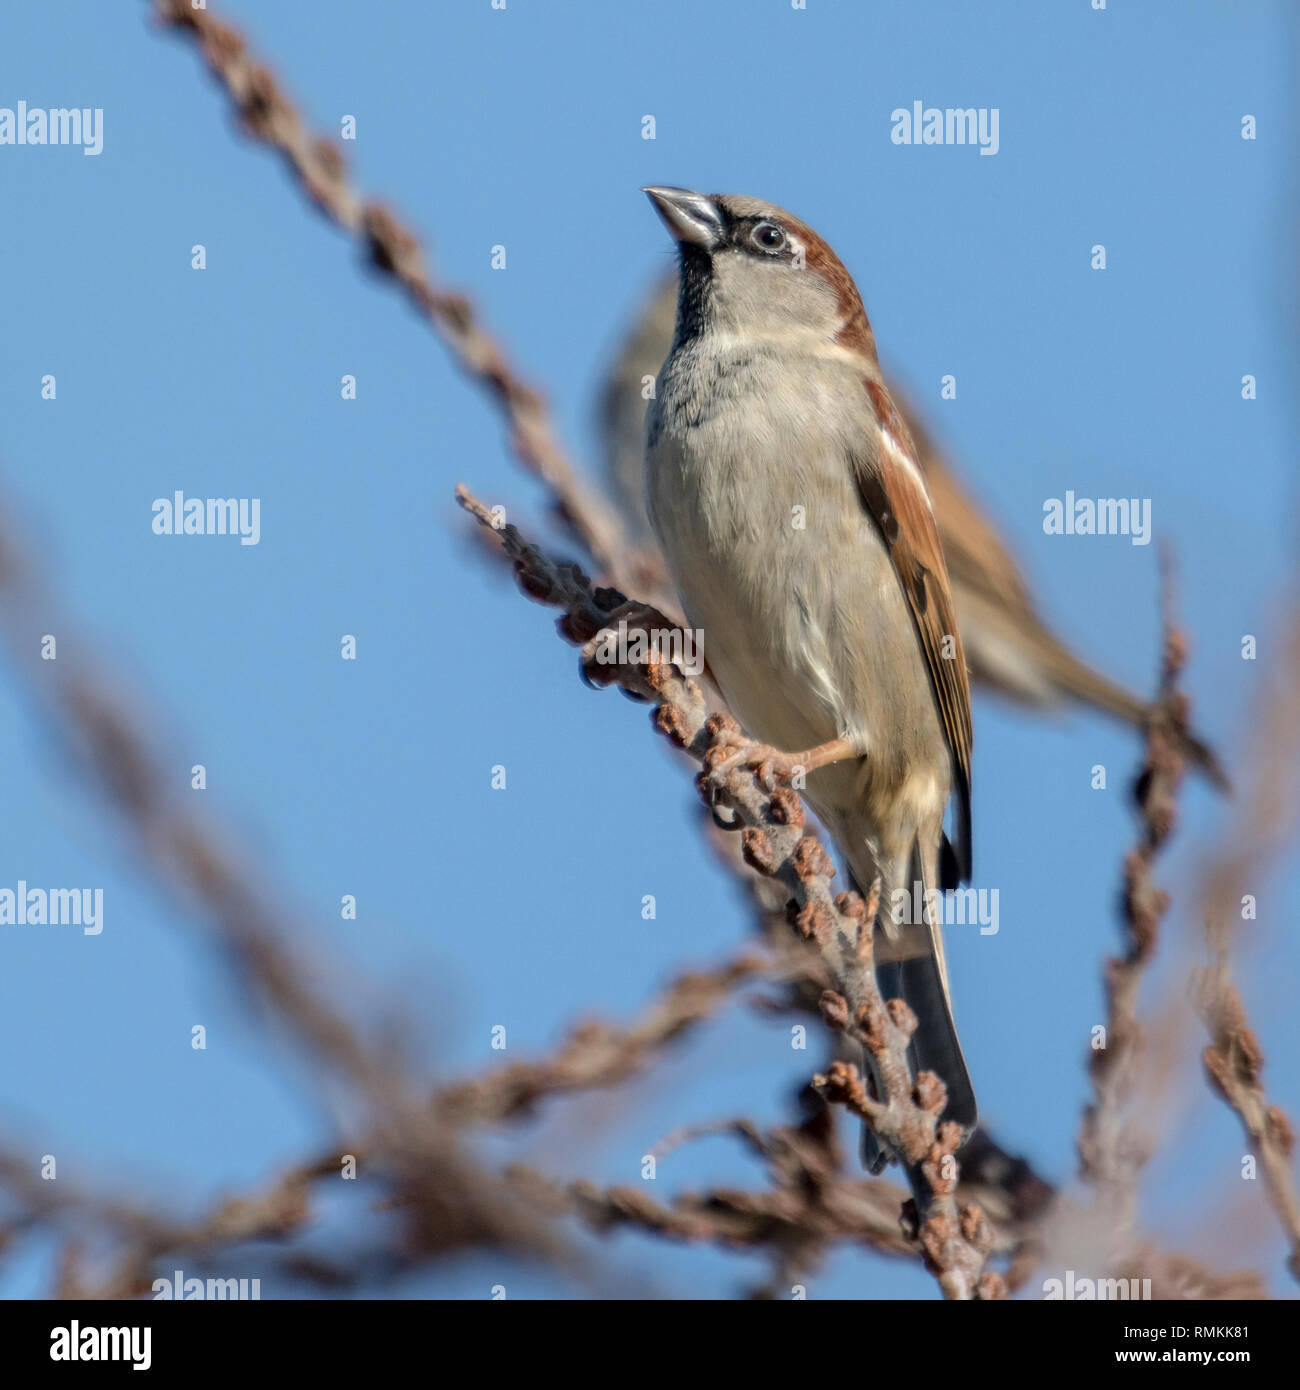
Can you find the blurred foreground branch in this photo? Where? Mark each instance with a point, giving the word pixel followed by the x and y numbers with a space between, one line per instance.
pixel 1111 1153
pixel 1234 1058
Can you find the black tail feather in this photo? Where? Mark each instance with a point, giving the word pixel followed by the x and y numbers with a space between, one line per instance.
pixel 909 966
pixel 935 1045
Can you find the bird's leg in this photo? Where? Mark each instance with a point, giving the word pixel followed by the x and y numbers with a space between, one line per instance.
pixel 772 765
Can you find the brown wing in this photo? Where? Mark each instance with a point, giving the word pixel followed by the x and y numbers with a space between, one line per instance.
pixel 898 503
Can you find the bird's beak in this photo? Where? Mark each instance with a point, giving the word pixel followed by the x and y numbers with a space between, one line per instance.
pixel 692 218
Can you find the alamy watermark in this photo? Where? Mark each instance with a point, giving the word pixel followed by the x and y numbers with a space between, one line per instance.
pixel 53 907
pixel 74 1342
pixel 179 515
pixel 949 125
pixel 683 646
pixel 1101 516
pixel 58 125
pixel 961 907
pixel 178 1287
pixel 1079 1289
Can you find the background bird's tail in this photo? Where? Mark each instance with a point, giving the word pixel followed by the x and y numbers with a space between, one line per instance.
pixel 1078 680
pixel 910 966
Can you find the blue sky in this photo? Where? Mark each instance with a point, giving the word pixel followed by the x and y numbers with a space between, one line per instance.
pixel 523 127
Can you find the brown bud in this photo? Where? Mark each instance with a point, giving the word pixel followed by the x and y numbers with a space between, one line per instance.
pixel 835 1009
pixel 851 906
pixel 759 852
pixel 672 723
pixel 811 921
pixel 930 1092
pixel 975 1227
pixel 721 724
pixel 902 1016
pixel 810 860
pixel 785 808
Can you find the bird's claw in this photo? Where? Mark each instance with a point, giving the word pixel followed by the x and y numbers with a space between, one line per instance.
pixel 768 764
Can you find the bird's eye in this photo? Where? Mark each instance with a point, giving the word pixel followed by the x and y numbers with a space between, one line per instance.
pixel 767 236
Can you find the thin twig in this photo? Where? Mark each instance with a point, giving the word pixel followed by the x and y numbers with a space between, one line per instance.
pixel 1111 1154
pixel 1270 810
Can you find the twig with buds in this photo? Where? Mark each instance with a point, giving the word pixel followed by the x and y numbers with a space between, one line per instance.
pixel 1234 1059
pixel 777 844
pixel 1111 1154
pixel 596 1054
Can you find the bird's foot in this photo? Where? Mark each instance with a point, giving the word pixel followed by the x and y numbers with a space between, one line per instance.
pixel 771 765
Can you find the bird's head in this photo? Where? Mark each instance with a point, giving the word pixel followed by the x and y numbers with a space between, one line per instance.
pixel 752 270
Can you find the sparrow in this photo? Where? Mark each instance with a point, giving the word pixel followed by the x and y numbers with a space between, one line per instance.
pixel 795 521
pixel 1010 649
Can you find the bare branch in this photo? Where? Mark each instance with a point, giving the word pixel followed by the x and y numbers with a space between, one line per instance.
pixel 1270 810
pixel 1111 1154
pixel 776 843
pixel 595 1054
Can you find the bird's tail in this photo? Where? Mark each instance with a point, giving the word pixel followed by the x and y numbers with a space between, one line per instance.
pixel 910 966
pixel 1077 680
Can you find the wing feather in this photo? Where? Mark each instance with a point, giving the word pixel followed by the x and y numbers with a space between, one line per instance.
pixel 890 483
